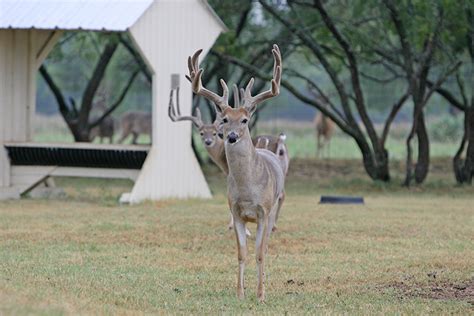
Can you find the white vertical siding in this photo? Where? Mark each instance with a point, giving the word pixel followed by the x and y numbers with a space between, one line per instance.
pixel 18 51
pixel 4 57
pixel 167 34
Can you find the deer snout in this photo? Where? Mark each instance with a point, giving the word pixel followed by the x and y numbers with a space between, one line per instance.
pixel 208 141
pixel 232 137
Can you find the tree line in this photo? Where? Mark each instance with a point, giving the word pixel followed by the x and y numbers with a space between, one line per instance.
pixel 417 46
pixel 420 43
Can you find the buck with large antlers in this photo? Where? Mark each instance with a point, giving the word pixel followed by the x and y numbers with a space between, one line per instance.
pixel 255 182
pixel 214 143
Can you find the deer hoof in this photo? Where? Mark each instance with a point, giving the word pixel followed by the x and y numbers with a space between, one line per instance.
pixel 274 228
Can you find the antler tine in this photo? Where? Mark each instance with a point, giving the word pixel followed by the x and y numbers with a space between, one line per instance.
pixel 251 101
pixel 236 95
pixel 176 118
pixel 198 116
pixel 195 77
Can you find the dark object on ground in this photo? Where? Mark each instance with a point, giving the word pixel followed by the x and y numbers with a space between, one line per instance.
pixel 326 199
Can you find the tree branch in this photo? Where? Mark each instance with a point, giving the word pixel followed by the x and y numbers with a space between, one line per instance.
pixel 318 52
pixel 118 102
pixel 448 96
pixel 354 71
pixel 94 82
pixel 257 72
pixel 63 108
pixel 137 57
pixel 393 113
pixel 313 85
pixel 440 80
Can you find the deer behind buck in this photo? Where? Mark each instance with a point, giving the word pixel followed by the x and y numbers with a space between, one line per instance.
pixel 324 127
pixel 106 128
pixel 135 123
pixel 255 182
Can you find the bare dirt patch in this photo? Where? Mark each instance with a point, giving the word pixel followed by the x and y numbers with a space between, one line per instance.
pixel 438 290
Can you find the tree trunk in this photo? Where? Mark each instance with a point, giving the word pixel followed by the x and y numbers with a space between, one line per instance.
pixel 464 168
pixel 375 164
pixel 469 163
pixel 423 161
pixel 91 89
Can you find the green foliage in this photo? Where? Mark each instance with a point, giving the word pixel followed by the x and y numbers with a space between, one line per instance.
pixel 447 129
pixel 71 63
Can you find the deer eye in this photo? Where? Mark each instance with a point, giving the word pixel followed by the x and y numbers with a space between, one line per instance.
pixel 244 121
pixel 202 133
pixel 214 134
pixel 225 120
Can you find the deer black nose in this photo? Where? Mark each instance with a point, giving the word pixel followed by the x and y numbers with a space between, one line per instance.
pixel 208 142
pixel 232 137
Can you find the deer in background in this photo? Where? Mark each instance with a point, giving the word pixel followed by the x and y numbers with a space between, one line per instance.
pixel 255 182
pixel 324 130
pixel 277 145
pixel 323 126
pixel 135 123
pixel 106 128
pixel 213 141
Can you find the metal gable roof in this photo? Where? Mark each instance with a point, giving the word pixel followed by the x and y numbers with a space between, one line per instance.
pixel 96 15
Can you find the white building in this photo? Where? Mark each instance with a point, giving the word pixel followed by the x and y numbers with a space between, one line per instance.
pixel 166 32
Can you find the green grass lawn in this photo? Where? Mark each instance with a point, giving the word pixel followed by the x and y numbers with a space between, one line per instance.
pixel 404 251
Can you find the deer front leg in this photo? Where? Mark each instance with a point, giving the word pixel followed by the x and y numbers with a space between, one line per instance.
pixel 318 145
pixel 260 250
pixel 231 222
pixel 239 228
pixel 123 137
pixel 135 137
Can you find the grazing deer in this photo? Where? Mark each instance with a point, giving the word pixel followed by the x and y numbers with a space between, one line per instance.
pixel 255 182
pixel 324 130
pixel 106 128
pixel 135 123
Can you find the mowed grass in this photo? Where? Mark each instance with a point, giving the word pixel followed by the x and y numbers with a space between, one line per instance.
pixel 86 254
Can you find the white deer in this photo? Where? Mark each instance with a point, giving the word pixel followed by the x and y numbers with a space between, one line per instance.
pixel 255 183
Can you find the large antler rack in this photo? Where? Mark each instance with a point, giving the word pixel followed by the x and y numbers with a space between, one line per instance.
pixel 195 77
pixel 175 114
pixel 247 100
pixel 250 102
